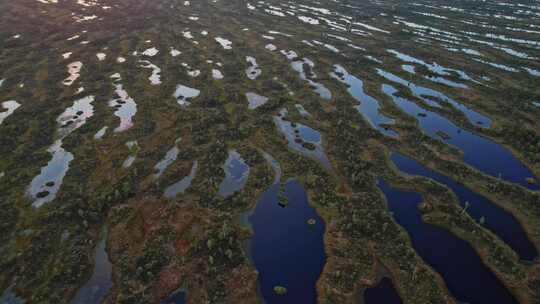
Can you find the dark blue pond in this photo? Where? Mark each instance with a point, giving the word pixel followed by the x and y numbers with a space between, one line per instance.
pixel 285 249
pixel 424 94
pixel 500 222
pixel 368 106
pixel 177 297
pixel 454 259
pixel 479 152
pixel 308 134
pixel 383 293
pixel 97 288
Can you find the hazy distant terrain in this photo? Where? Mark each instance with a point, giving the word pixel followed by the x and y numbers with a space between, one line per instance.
pixel 228 151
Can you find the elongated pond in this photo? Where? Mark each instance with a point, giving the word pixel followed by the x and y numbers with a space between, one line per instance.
pixel 367 105
pixel 167 160
pixel 125 106
pixel 300 66
pixel 44 187
pixel 495 218
pixel 95 290
pixel 466 277
pixel 287 248
pixel 302 139
pixel 479 152
pixel 236 174
pixel 181 186
pixel 424 93
pixel 7 108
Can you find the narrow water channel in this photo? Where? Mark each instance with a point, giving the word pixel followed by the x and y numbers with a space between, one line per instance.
pixel 466 277
pixel 181 186
pixel 495 218
pixel 95 290
pixel 367 106
pixel 479 152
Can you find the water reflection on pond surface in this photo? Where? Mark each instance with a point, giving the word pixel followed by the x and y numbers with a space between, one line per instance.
pixel 183 94
pixel 301 110
pixel 494 218
pixel 236 174
pixel 467 278
pixel 302 139
pixel 44 186
pixel 133 147
pixel 300 65
pixel 169 158
pixel 95 290
pixel 253 71
pixel 125 106
pixel 181 186
pixel 99 134
pixel 255 100
pixel 225 43
pixel 479 152
pixel 74 69
pixel 289 254
pixel 9 106
pixel 155 77
pixel 367 105
pixel 424 93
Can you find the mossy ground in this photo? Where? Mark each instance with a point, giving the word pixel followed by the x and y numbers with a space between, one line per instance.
pixel 196 241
